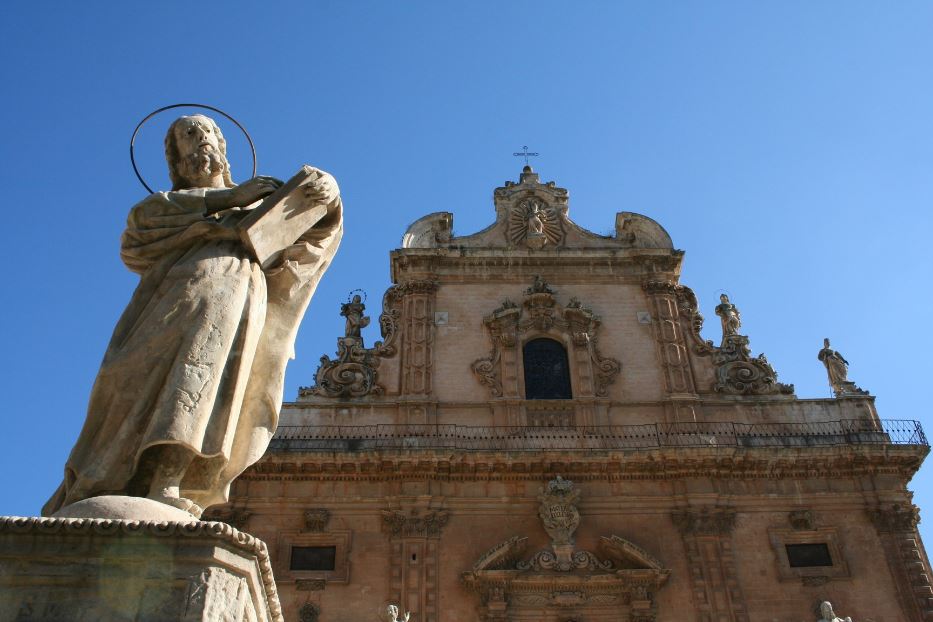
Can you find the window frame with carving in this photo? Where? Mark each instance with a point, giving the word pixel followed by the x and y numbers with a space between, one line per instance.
pixel 289 539
pixel 829 536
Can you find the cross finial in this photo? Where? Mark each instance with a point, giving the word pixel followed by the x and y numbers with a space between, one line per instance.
pixel 525 154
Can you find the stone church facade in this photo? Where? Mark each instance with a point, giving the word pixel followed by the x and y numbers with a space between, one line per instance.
pixel 543 435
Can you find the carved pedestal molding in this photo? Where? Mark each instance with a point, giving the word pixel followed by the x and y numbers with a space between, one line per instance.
pixel 622 576
pixel 122 569
pixel 707 538
pixel 354 372
pixel 539 315
pixel 414 539
pixel 897 526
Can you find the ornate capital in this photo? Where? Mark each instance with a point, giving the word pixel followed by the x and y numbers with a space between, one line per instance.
pixel 705 522
pixel 801 520
pixel 429 524
pixel 316 519
pixel 896 517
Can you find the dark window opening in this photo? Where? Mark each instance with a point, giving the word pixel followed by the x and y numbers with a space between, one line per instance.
pixel 808 555
pixel 313 558
pixel 547 373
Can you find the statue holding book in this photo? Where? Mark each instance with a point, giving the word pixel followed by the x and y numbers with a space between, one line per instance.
pixel 190 387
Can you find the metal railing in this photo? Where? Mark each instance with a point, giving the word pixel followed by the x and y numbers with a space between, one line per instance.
pixel 597 438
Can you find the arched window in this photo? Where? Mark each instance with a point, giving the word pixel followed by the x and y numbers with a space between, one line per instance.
pixel 547 374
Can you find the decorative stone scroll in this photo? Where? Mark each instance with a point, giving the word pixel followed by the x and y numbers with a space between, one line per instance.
pixel 737 371
pixel 354 372
pixel 540 315
pixel 623 574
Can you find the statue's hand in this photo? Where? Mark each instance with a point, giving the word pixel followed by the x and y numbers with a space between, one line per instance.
pixel 324 189
pixel 253 190
pixel 242 195
pixel 407 615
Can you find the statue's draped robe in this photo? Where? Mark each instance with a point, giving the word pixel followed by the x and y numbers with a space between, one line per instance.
pixel 198 358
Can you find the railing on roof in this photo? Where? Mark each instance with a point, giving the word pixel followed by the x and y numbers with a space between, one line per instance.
pixel 597 438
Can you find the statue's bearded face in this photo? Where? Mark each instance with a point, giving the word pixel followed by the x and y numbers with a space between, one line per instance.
pixel 198 144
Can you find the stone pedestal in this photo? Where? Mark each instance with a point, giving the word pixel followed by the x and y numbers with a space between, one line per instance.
pixel 90 569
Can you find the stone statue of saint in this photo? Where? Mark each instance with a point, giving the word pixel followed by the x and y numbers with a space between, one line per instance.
pixel 729 315
pixel 190 388
pixel 391 614
pixel 356 321
pixel 828 615
pixel 838 370
pixel 535 224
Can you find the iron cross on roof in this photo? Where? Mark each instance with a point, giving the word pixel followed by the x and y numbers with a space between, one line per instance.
pixel 525 153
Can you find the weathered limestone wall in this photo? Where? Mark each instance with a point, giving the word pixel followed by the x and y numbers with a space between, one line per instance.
pixel 729 568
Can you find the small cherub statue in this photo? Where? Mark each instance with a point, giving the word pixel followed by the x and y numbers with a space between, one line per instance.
pixel 828 615
pixel 391 614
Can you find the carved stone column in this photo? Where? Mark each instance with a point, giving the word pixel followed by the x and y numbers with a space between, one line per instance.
pixel 707 537
pixel 897 526
pixel 417 347
pixel 414 555
pixel 666 299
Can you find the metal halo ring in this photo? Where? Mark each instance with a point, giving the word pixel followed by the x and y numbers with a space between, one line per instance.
pixel 252 147
pixel 353 291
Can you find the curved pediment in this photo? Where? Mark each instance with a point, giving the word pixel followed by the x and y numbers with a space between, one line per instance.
pixel 531 215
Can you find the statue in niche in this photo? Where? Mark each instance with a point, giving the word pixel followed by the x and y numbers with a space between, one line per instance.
pixel 838 370
pixel 729 316
pixel 534 225
pixel 356 321
pixel 828 615
pixel 391 614
pixel 190 387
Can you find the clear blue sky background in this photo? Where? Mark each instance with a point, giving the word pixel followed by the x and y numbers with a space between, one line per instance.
pixel 787 147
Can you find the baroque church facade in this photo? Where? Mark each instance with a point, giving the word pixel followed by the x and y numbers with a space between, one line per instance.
pixel 542 435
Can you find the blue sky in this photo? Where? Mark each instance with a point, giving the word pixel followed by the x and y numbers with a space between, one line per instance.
pixel 787 147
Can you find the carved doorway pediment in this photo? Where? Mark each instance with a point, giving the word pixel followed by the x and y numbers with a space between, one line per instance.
pixel 563 582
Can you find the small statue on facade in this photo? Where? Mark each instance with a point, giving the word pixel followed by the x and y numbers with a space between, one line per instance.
pixel 838 370
pixel 391 614
pixel 729 316
pixel 828 615
pixel 356 321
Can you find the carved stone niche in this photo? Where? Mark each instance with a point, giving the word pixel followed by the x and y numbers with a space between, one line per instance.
pixel 540 315
pixel 535 213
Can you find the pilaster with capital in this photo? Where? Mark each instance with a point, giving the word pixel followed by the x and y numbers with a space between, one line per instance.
pixel 707 538
pixel 897 527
